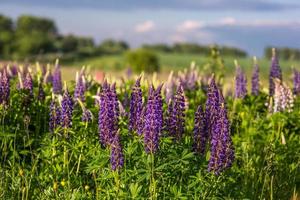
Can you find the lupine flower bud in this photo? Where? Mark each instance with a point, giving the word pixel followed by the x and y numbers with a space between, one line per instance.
pixel 296 82
pixel 200 132
pixel 240 82
pixel 283 97
pixel 275 72
pixel 136 106
pixel 176 112
pixel 116 156
pixel 153 120
pixel 221 152
pixel 255 79
pixel 66 109
pixel 56 80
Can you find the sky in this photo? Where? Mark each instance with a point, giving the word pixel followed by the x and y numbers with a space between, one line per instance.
pixel 247 24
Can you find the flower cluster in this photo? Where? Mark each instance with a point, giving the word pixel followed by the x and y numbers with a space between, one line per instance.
pixel 296 88
pixel 176 114
pixel 55 114
pixel 136 106
pixel 255 79
pixel 108 118
pixel 283 97
pixel 80 87
pixel 28 84
pixel 275 72
pixel 116 155
pixel 240 83
pixel 4 87
pixel 66 109
pixel 200 131
pixel 153 120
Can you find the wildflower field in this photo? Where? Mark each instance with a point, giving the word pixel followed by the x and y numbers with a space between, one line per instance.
pixel 187 137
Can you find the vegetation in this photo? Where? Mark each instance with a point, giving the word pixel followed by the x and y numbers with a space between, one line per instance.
pixel 143 60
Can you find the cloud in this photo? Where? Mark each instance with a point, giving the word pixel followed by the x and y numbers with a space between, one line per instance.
pixel 227 21
pixel 249 5
pixel 145 26
pixel 190 25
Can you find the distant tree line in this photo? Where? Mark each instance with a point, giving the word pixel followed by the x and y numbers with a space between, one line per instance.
pixel 31 36
pixel 196 49
pixel 284 53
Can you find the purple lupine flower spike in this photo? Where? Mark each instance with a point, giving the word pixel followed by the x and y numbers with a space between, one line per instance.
pixel 176 111
pixel 28 85
pixel 136 106
pixel 66 109
pixel 200 132
pixel 80 87
pixel 116 156
pixel 222 151
pixel 153 120
pixel 275 72
pixel 41 92
pixel 240 82
pixel 296 88
pixel 255 78
pixel 56 80
pixel 87 115
pixel 4 87
pixel 55 114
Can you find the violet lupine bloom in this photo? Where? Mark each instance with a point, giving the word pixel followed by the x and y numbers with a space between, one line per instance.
pixel 108 114
pixel 80 87
pixel 4 87
pixel 176 111
pixel 296 88
pixel 56 80
pixel 136 106
pixel 240 83
pixel 200 131
pixel 28 85
pixel 275 72
pixel 255 79
pixel 153 120
pixel 55 113
pixel 66 110
pixel 221 150
pixel 116 156
pixel 41 92
pixel 86 115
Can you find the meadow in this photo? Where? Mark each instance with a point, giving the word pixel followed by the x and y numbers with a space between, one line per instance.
pixel 204 133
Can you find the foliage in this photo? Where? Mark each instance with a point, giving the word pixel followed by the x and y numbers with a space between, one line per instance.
pixel 143 60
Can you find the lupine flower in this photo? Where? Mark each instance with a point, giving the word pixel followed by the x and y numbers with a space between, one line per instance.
pixel 28 85
pixel 275 72
pixel 222 152
pixel 176 111
pixel 255 79
pixel 283 97
pixel 116 156
pixel 4 87
pixel 296 88
pixel 55 114
pixel 108 114
pixel 87 115
pixel 66 109
pixel 189 78
pixel 240 83
pixel 200 131
pixel 153 120
pixel 56 80
pixel 48 77
pixel 41 92
pixel 169 88
pixel 80 87
pixel 136 106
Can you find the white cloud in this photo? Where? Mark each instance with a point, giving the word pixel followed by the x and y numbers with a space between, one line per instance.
pixel 190 25
pixel 227 21
pixel 145 26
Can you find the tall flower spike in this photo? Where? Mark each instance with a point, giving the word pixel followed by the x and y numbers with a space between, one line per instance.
pixel 222 151
pixel 240 82
pixel 296 88
pixel 176 112
pixel 200 132
pixel 4 87
pixel 255 78
pixel 116 156
pixel 28 85
pixel 66 109
pixel 87 115
pixel 283 97
pixel 54 115
pixel 153 120
pixel 275 72
pixel 136 106
pixel 56 81
pixel 80 87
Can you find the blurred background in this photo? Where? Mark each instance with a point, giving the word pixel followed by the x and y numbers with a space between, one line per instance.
pixel 118 36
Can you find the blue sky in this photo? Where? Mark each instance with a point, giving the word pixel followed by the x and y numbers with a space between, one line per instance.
pixel 248 24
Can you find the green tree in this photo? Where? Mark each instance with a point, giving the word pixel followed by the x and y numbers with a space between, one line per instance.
pixel 6 36
pixel 143 60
